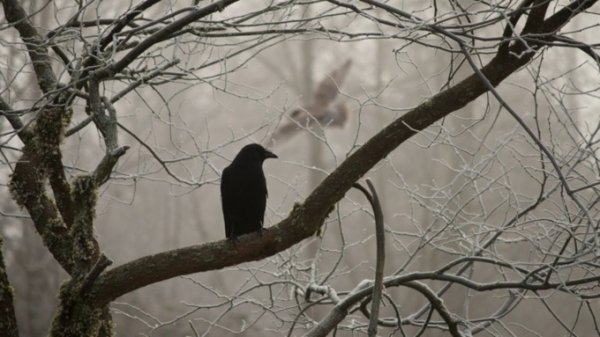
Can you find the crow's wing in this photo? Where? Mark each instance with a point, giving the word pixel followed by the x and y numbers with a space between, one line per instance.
pixel 243 198
pixel 228 200
pixel 253 192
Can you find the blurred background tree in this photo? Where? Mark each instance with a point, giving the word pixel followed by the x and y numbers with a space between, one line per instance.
pixel 117 119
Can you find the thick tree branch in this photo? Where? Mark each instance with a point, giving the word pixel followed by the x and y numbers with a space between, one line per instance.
pixel 8 320
pixel 47 139
pixel 536 16
pixel 42 211
pixel 560 18
pixel 511 24
pixel 29 192
pixel 16 15
pixel 306 219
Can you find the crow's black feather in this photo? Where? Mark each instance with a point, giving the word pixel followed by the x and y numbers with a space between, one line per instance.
pixel 244 191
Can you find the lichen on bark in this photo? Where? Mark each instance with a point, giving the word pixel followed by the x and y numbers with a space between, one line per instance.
pixel 85 249
pixel 75 316
pixel 8 321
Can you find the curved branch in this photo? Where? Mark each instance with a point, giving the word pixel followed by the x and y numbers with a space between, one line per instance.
pixel 437 304
pixel 380 263
pixel 395 322
pixel 305 220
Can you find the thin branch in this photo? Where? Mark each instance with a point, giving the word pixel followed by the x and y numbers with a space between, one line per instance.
pixel 159 36
pixel 125 20
pixel 142 80
pixel 586 48
pixel 79 126
pixel 162 162
pixel 380 264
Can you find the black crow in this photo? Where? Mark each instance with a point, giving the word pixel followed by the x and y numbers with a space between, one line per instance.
pixel 244 191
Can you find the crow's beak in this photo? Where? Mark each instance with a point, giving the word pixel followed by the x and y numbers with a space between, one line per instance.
pixel 270 155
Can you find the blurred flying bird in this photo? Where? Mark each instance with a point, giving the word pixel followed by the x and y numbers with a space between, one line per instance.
pixel 244 191
pixel 319 110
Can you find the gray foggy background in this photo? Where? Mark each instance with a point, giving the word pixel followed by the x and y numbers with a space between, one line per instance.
pixel 442 192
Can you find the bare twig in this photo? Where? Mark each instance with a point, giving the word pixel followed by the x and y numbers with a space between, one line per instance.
pixel 159 36
pixel 142 80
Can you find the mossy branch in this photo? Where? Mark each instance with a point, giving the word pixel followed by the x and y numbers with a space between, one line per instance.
pixel 48 135
pixel 8 320
pixel 86 250
pixel 27 189
pixel 101 264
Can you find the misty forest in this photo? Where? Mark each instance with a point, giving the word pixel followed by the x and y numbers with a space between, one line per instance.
pixel 437 170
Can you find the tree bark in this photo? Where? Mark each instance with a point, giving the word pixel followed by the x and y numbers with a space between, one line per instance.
pixel 8 320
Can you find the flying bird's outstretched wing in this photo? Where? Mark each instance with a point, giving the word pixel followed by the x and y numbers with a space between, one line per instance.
pixel 319 110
